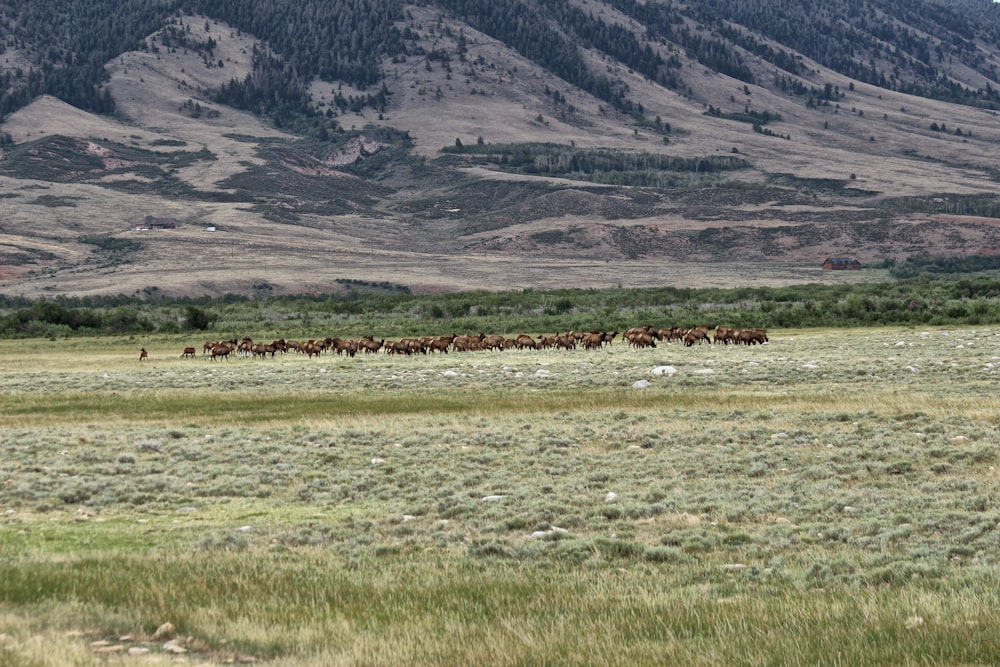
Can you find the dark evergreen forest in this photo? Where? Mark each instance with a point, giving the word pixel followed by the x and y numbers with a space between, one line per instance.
pixel 905 45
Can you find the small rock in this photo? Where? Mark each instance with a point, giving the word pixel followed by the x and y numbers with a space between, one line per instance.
pixel 113 648
pixel 165 631
pixel 641 384
pixel 126 458
pixel 149 445
pixel 611 497
pixel 663 370
pixel 489 499
pixel 174 646
pixel 450 374
pixel 547 533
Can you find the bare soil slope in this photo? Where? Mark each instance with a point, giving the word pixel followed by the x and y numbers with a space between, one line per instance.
pixel 186 196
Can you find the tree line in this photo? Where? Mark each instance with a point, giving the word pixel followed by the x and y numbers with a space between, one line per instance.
pixel 928 298
pixel 560 160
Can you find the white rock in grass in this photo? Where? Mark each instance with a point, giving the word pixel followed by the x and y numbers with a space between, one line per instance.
pixel 450 374
pixel 810 364
pixel 542 373
pixel 704 371
pixel 492 499
pixel 376 461
pixel 913 369
pixel 174 646
pixel 165 631
pixel 554 530
pixel 641 384
pixel 663 370
pixel 611 497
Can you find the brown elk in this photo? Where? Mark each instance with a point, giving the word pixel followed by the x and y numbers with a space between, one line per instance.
pixel 312 348
pixel 344 346
pixel 725 334
pixel 189 352
pixel 245 347
pixel 143 355
pixel 522 341
pixel 642 339
pixel 492 342
pixel 441 343
pixel 696 335
pixel 468 343
pixel 263 349
pixel 566 341
pixel 593 341
pixel 221 350
pixel 752 337
pixel 398 347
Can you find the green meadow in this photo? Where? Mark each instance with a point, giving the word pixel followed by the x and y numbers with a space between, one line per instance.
pixel 830 498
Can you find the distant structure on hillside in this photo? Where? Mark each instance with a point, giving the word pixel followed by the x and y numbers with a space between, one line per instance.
pixel 152 222
pixel 841 264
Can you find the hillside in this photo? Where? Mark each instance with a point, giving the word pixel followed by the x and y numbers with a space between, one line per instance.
pixel 606 143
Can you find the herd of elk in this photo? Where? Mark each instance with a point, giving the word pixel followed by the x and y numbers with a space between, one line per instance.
pixel 648 335
pixel 637 337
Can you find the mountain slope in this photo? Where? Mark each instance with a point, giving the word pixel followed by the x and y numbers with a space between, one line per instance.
pixel 597 143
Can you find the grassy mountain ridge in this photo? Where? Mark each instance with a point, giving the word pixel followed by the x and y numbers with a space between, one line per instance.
pixel 599 143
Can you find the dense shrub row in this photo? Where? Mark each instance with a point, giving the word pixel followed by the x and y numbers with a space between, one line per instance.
pixel 916 301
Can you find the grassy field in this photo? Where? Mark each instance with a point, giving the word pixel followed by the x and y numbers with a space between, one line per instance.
pixel 829 498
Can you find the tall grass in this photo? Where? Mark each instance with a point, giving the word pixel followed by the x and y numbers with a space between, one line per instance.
pixel 311 608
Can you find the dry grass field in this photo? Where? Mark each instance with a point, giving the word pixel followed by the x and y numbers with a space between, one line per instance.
pixel 844 182
pixel 827 498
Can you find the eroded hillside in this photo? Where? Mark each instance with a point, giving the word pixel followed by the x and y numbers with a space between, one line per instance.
pixel 482 169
